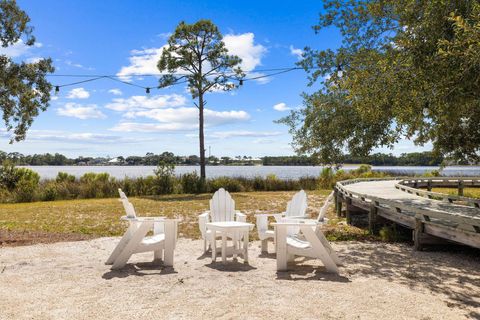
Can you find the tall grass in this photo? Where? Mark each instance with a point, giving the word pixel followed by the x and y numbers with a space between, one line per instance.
pixel 24 185
pixel 102 185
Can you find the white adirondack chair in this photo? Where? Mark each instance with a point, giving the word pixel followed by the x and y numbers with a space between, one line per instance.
pixel 296 208
pixel 222 208
pixel 135 239
pixel 309 242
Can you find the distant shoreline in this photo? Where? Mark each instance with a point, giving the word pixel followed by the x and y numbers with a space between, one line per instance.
pixel 347 165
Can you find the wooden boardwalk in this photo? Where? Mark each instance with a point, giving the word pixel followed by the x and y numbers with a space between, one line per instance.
pixel 429 215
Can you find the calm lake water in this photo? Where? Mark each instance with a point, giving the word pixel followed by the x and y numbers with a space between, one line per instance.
pixel 282 172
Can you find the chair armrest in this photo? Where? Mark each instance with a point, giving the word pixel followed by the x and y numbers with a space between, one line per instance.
pixel 241 217
pixel 299 217
pixel 203 219
pixel 269 214
pixel 160 226
pixel 144 219
pixel 296 223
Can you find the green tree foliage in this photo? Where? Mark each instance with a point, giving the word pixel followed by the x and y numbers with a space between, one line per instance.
pixel 425 158
pixel 165 177
pixel 196 52
pixel 405 69
pixel 24 89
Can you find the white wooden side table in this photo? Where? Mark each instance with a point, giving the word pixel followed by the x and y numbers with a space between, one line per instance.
pixel 235 230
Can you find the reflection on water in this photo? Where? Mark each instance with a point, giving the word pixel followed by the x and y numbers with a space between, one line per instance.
pixel 282 172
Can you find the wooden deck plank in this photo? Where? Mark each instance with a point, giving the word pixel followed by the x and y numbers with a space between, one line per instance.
pixel 459 223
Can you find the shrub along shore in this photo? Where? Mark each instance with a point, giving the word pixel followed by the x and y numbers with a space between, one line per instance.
pixel 25 185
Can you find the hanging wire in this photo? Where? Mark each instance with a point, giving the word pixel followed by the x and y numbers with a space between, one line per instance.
pixel 159 74
pixel 79 82
pixel 147 89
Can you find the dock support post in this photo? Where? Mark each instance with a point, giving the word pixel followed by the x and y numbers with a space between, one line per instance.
pixel 339 206
pixel 429 185
pixel 348 215
pixel 417 234
pixel 372 218
pixel 335 197
pixel 460 187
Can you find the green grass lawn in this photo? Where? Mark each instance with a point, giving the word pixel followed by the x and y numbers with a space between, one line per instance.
pixel 80 219
pixel 101 217
pixel 467 192
pixel 37 222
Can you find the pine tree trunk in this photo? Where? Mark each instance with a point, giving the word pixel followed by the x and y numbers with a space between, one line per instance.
pixel 201 136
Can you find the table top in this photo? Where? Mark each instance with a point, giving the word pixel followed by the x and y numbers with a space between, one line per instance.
pixel 229 224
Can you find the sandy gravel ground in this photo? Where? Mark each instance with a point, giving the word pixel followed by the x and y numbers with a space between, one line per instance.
pixel 380 281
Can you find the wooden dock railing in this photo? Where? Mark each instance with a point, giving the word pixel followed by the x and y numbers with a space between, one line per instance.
pixel 413 186
pixel 449 221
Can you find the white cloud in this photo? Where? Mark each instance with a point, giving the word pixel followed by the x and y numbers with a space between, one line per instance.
pixel 141 62
pixel 263 141
pixel 296 52
pixel 81 111
pixel 164 35
pixel 77 65
pixel 170 113
pixel 145 102
pixel 78 93
pixel 152 127
pixel 243 133
pixel 115 92
pixel 243 45
pixel 82 137
pixel 281 107
pixel 18 49
pixel 145 61
pixel 33 59
pixel 189 115
pixel 177 119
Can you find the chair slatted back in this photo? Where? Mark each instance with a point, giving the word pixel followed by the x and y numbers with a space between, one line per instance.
pixel 324 208
pixel 129 209
pixel 222 206
pixel 298 205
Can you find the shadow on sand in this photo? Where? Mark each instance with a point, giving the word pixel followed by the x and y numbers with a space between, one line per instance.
pixel 231 266
pixel 139 269
pixel 453 273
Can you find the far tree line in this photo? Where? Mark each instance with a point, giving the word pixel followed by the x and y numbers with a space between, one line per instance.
pixel 426 158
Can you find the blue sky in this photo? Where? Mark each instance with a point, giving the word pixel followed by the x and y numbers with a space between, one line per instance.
pixel 124 38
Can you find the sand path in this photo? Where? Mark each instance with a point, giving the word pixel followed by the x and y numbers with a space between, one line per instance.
pixel 380 281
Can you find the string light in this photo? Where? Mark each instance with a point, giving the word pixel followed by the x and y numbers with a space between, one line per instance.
pixel 117 78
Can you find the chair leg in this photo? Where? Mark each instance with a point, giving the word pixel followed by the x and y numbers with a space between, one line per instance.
pixel 265 246
pixel 129 249
pixel 290 257
pixel 123 243
pixel 170 238
pixel 319 249
pixel 281 247
pixel 205 245
pixel 157 256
